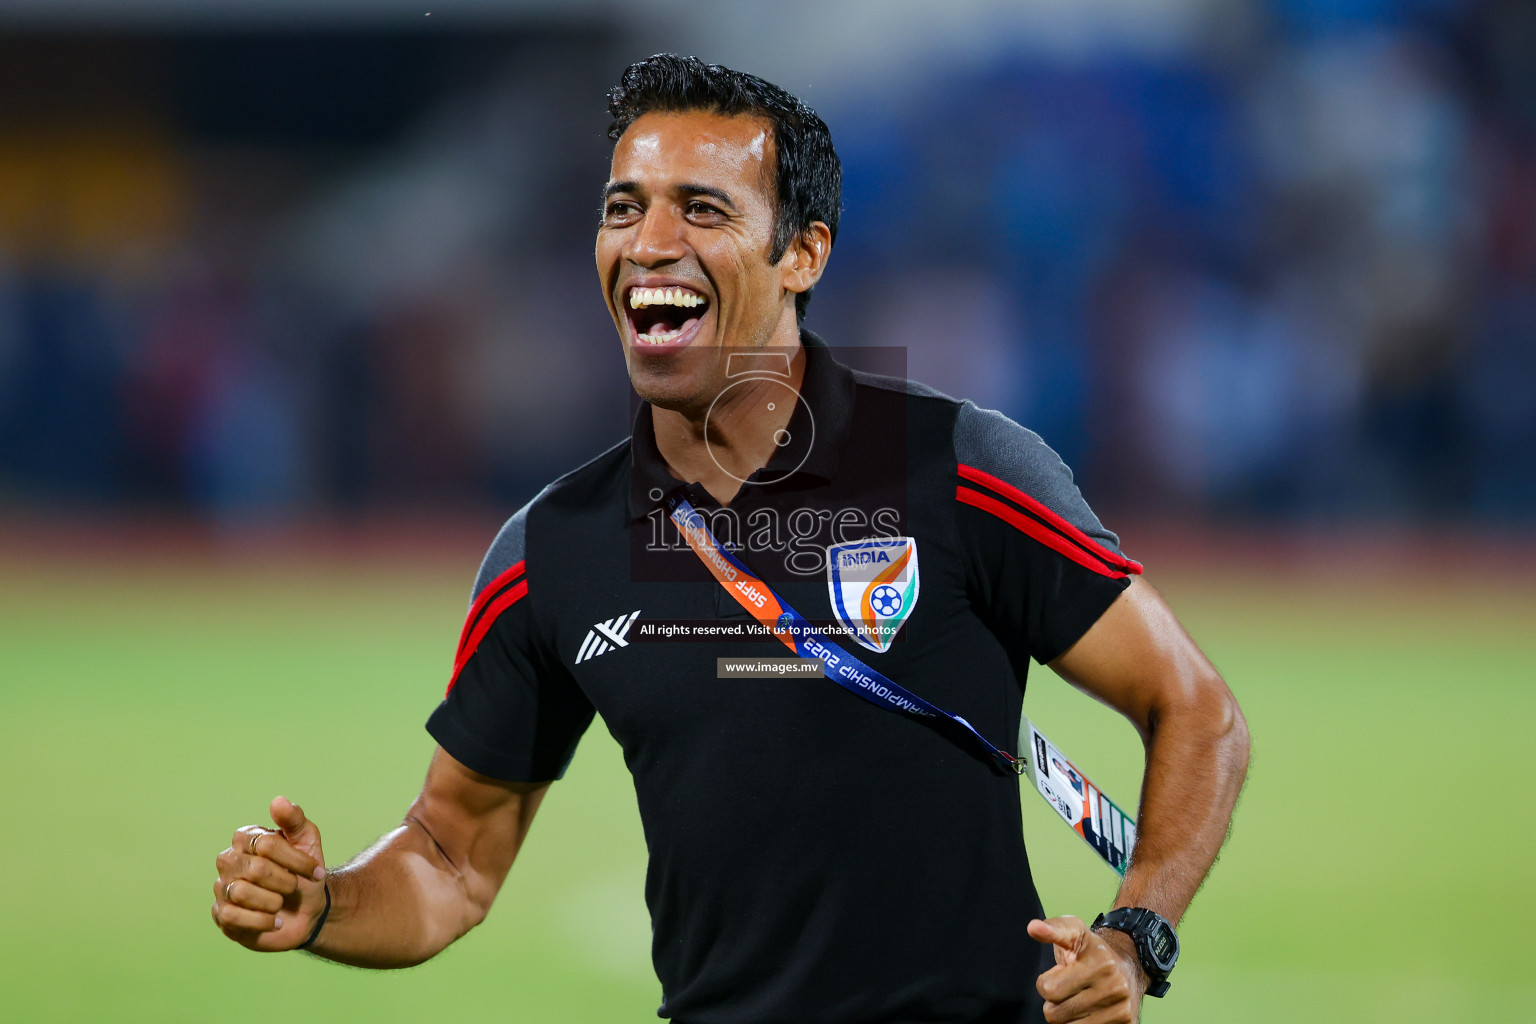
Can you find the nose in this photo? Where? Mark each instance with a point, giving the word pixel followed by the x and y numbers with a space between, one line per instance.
pixel 658 239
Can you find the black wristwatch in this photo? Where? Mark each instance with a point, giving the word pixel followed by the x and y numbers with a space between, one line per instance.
pixel 1157 944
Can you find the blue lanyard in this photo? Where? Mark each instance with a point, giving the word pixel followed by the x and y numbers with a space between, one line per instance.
pixel 795 632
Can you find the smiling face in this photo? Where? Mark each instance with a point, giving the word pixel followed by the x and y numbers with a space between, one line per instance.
pixel 683 248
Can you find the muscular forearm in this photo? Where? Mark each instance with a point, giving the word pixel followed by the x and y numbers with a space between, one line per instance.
pixel 404 899
pixel 1197 758
pixel 396 904
pixel 1138 660
pixel 399 902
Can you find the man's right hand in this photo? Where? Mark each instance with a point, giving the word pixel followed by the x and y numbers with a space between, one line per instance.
pixel 271 888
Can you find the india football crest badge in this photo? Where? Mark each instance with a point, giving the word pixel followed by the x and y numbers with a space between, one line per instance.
pixel 873 586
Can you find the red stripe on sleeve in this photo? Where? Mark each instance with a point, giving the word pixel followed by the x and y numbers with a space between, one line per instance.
pixel 1040 532
pixel 1007 490
pixel 492 612
pixel 485 596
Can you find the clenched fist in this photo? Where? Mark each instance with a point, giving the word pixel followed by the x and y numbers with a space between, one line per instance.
pixel 271 886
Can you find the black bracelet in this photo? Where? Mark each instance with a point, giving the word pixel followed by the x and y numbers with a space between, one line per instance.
pixel 321 922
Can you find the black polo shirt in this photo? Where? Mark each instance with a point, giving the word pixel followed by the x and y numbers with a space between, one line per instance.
pixel 813 857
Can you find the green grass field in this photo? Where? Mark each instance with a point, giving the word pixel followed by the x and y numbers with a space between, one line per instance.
pixel 1377 870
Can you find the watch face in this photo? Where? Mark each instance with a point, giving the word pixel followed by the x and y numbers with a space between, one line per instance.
pixel 1163 945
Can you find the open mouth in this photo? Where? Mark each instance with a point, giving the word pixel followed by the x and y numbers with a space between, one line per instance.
pixel 664 316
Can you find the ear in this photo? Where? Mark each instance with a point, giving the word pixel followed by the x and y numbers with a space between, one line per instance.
pixel 806 258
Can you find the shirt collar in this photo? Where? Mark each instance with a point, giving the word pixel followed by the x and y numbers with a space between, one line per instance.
pixel 818 431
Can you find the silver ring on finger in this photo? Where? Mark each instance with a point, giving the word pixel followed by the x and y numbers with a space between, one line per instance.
pixel 228 887
pixel 251 847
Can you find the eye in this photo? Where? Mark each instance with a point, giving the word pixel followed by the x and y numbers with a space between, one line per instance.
pixel 698 209
pixel 620 212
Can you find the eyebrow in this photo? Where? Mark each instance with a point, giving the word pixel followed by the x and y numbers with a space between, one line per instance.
pixel 615 187
pixel 719 194
pixel 687 189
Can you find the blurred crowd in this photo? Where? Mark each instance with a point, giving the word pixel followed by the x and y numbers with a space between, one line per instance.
pixel 1285 271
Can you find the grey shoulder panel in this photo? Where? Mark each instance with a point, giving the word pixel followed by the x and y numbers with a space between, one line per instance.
pixel 987 440
pixel 506 550
pixel 511 544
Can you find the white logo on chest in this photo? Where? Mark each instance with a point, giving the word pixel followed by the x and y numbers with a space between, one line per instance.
pixel 605 636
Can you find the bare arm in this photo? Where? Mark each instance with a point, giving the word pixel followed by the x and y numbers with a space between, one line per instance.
pixel 1138 660
pixel 399 902
pixel 404 899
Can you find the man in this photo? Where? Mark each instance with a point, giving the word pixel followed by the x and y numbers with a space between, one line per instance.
pixel 813 858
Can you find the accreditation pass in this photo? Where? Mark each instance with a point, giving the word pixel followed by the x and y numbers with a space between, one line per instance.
pixel 1082 805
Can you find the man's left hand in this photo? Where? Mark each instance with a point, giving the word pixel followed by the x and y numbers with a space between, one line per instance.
pixel 1095 980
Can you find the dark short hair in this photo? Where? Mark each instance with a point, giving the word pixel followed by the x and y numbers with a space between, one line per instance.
pixel 809 176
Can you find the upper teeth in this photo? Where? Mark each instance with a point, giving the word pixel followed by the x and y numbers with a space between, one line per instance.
pixel 663 297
